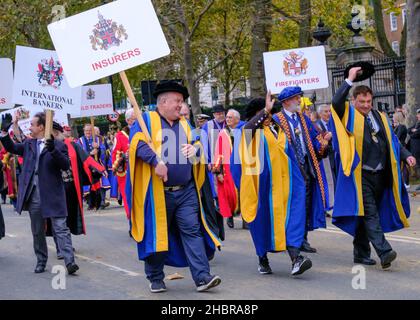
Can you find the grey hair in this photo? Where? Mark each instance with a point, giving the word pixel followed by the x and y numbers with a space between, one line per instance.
pixel 236 113
pixel 161 97
pixel 321 107
pixel 129 113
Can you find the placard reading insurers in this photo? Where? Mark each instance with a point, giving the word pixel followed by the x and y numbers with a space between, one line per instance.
pixel 116 59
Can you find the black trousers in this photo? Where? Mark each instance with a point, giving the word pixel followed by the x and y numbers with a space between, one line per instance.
pixel 368 227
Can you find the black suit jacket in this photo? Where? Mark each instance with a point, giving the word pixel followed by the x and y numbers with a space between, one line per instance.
pixel 51 185
pixel 338 103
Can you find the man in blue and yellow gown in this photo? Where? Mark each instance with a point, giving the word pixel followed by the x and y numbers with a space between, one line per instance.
pixel 165 177
pixel 271 188
pixel 370 196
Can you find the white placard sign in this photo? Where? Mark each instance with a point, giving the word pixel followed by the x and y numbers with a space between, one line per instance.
pixel 26 114
pixel 6 83
pixel 96 101
pixel 303 67
pixel 40 81
pixel 108 39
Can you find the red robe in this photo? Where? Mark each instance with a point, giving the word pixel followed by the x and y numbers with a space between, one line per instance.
pixel 119 165
pixel 226 190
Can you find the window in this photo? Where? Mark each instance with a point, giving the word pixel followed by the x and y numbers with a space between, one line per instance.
pixel 393 21
pixel 396 47
pixel 404 16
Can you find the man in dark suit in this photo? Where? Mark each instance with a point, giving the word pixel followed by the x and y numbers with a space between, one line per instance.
pixel 41 188
pixel 376 167
pixel 324 112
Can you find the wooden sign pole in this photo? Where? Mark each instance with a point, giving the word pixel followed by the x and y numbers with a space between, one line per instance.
pixel 92 124
pixel 136 107
pixel 48 123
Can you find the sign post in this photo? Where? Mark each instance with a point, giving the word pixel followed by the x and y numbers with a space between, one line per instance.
pixel 109 42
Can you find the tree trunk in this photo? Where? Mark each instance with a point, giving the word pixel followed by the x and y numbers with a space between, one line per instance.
pixel 413 59
pixel 305 25
pixel 380 29
pixel 261 38
pixel 190 78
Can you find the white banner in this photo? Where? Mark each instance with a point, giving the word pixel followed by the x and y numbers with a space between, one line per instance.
pixel 40 81
pixel 25 116
pixel 6 83
pixel 108 39
pixel 303 67
pixel 96 101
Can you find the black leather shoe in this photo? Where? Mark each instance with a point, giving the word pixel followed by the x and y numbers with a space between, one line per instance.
pixel 230 223
pixel 306 247
pixel 39 269
pixel 72 268
pixel 365 261
pixel 264 266
pixel 387 258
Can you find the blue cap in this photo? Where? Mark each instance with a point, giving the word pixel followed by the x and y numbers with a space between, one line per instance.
pixel 289 92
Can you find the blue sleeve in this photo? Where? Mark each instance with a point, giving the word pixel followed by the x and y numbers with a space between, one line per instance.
pixel 145 153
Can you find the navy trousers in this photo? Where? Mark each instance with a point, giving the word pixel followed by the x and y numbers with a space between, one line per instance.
pixel 182 209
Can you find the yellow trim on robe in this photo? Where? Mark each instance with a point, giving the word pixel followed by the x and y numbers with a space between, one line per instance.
pixel 250 179
pixel 141 174
pixel 395 180
pixel 279 186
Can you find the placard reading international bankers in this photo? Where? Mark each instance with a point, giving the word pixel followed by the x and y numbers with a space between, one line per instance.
pixel 108 39
pixel 40 81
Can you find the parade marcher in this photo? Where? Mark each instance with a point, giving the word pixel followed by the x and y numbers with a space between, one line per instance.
pixel 41 188
pixel 209 135
pixel 401 132
pixel 201 120
pixel 185 111
pixel 94 148
pixel 226 190
pixel 84 170
pixel 163 191
pixel 370 197
pixel 120 156
pixel 414 142
pixel 324 112
pixel 272 192
pixel 105 160
pixel 309 148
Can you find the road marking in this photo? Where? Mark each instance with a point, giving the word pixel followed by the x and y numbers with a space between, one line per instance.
pixel 391 238
pixel 11 235
pixel 110 266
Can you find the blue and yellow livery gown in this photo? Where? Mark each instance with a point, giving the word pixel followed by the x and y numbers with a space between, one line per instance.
pixel 146 199
pixel 316 148
pixel 272 194
pixel 348 135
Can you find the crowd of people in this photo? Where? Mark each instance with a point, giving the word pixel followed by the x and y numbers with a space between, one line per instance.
pixel 281 169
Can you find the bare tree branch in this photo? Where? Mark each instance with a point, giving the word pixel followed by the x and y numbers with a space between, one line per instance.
pixel 297 19
pixel 200 17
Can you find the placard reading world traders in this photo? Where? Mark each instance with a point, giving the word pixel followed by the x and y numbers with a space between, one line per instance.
pixel 303 67
pixel 6 83
pixel 40 81
pixel 108 39
pixel 96 101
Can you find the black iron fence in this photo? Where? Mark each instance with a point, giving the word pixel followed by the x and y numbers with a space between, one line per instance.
pixel 387 84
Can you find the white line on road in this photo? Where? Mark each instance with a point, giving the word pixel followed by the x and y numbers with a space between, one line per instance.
pixel 110 266
pixel 11 235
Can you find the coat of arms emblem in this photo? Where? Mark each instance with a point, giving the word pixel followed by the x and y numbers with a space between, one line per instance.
pixel 50 73
pixel 294 64
pixel 107 34
pixel 90 94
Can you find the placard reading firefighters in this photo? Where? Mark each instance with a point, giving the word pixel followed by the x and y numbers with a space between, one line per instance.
pixel 40 81
pixel 303 67
pixel 6 83
pixel 109 39
pixel 96 101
